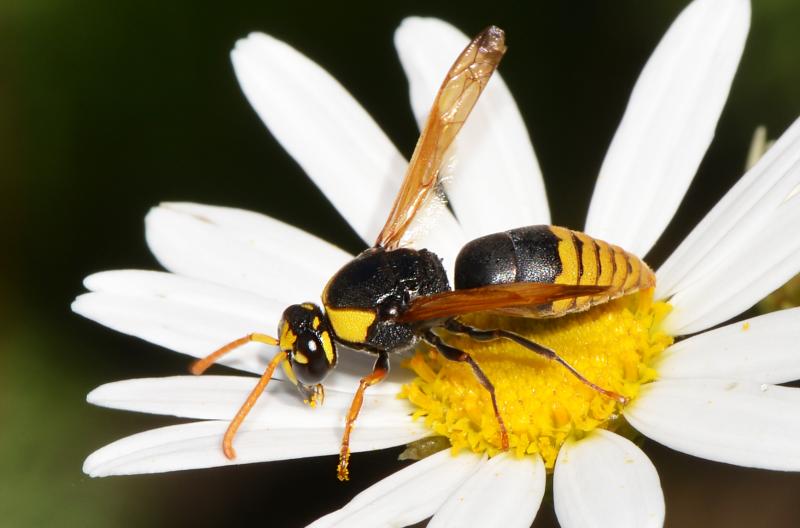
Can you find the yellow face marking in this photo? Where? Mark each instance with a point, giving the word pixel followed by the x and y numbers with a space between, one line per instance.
pixel 327 347
pixel 287 368
pixel 315 323
pixel 301 358
pixel 287 337
pixel 350 324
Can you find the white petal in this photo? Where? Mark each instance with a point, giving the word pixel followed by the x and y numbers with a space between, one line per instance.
pixel 742 214
pixel 242 249
pixel 144 284
pixel 763 349
pixel 189 316
pixel 406 497
pixel 198 445
pixel 325 130
pixel 219 398
pixel 744 423
pixel 743 249
pixel 497 183
pixel 668 125
pixel 196 317
pixel 605 480
pixel 506 491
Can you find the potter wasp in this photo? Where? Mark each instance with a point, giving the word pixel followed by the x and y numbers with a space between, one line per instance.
pixel 390 298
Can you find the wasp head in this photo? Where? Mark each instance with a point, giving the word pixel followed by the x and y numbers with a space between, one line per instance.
pixel 305 337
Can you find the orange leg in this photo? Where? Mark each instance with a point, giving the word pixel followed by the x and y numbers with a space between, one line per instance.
pixel 227 440
pixel 379 372
pixel 201 365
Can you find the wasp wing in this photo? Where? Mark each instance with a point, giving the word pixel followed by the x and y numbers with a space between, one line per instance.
pixel 521 299
pixel 456 97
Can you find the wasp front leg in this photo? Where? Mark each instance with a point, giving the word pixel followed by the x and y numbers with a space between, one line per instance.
pixel 379 372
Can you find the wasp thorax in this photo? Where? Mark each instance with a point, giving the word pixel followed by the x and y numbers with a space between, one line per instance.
pixel 305 337
pixel 366 297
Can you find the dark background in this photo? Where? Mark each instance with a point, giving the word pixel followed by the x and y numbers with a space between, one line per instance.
pixel 107 108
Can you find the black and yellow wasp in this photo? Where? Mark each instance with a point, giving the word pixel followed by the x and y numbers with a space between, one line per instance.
pixel 389 298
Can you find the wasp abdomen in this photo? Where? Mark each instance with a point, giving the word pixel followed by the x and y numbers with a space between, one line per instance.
pixel 554 255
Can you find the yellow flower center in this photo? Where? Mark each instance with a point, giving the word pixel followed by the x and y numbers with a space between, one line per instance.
pixel 540 401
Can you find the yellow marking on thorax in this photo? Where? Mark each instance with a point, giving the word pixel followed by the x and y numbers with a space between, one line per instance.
pixel 350 324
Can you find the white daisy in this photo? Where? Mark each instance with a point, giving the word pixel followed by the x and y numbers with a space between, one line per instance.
pixel 234 271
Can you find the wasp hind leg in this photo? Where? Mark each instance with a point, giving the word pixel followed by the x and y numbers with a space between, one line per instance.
pixel 379 372
pixel 457 327
pixel 454 354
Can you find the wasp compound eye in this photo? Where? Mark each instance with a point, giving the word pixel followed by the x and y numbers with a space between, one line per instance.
pixel 312 358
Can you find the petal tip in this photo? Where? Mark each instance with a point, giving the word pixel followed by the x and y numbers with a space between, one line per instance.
pixel 94 396
pixel 79 305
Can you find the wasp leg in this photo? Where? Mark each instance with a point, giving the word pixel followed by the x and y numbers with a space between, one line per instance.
pixel 379 372
pixel 454 354
pixel 457 327
pixel 227 440
pixel 201 365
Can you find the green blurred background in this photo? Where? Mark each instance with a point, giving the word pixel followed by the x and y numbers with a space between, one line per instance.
pixel 107 108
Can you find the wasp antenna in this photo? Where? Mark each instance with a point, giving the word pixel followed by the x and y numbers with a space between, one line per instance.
pixel 201 365
pixel 227 440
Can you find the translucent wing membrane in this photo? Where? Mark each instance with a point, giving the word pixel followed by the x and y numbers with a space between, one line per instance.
pixel 459 92
pixel 519 298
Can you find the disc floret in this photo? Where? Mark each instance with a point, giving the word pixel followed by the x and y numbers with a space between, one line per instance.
pixel 541 403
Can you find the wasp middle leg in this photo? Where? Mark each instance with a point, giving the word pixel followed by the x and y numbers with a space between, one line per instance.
pixel 454 354
pixel 457 327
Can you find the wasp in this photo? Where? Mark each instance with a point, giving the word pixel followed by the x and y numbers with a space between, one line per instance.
pixel 391 298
